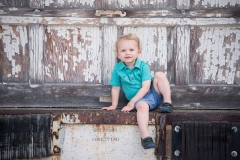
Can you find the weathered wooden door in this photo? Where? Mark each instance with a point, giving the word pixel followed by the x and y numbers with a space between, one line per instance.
pixel 60 53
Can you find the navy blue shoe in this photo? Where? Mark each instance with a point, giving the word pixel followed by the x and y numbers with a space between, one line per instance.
pixel 166 108
pixel 148 143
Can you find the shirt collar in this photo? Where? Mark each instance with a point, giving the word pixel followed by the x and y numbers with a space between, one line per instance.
pixel 137 64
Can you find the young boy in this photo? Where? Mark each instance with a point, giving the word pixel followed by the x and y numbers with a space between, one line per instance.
pixel 143 92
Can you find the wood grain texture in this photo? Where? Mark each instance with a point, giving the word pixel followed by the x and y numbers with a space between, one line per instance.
pixel 182 55
pixel 14 53
pixel 215 55
pixel 36 53
pixel 73 54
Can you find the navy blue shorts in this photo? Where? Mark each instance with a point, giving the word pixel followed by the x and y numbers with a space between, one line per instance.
pixel 152 98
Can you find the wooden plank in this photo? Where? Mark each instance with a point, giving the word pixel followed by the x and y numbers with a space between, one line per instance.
pixel 36 4
pixel 198 4
pixel 182 55
pixel 14 3
pixel 109 53
pixel 87 96
pixel 73 54
pixel 36 53
pixel 136 13
pixel 171 52
pixel 14 54
pixel 114 4
pixel 24 20
pixel 214 56
pixel 183 4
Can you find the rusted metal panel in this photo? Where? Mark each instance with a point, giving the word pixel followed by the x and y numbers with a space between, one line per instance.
pixel 36 53
pixel 108 142
pixel 14 54
pixel 73 54
pixel 25 136
pixel 182 55
pixel 215 55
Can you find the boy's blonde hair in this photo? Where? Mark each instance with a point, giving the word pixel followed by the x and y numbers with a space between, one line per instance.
pixel 129 36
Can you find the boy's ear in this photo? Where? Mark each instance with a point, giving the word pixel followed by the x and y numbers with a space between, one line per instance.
pixel 139 51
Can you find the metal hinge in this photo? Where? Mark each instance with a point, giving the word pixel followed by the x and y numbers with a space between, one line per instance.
pixel 110 13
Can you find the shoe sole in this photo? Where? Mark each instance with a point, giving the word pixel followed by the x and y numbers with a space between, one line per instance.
pixel 150 146
pixel 165 110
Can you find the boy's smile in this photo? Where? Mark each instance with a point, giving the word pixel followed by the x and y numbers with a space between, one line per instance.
pixel 128 51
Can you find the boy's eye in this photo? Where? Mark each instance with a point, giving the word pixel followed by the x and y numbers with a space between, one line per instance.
pixel 131 49
pixel 123 50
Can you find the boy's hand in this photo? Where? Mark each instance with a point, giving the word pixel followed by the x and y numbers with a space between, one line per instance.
pixel 109 108
pixel 128 107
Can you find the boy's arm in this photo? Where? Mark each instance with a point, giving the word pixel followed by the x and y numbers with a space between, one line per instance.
pixel 141 93
pixel 115 96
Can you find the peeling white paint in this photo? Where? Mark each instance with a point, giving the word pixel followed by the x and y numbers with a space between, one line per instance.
pixel 87 41
pixel 220 55
pixel 72 2
pixel 216 3
pixel 14 38
pixel 118 21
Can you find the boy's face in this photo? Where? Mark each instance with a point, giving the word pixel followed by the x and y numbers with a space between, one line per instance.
pixel 128 51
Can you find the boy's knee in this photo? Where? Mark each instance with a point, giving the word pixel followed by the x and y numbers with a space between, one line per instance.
pixel 142 106
pixel 160 75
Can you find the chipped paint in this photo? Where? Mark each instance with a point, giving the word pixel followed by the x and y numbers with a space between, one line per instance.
pixel 216 3
pixel 220 52
pixel 73 54
pixel 69 2
pixel 23 20
pixel 15 43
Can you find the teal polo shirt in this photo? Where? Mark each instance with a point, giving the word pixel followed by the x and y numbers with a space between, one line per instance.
pixel 130 79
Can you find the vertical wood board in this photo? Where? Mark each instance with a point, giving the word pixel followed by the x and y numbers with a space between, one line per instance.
pixel 36 53
pixel 109 52
pixel 182 55
pixel 111 4
pixel 215 3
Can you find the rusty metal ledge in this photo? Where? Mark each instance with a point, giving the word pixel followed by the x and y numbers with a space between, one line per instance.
pixel 97 116
pixel 83 116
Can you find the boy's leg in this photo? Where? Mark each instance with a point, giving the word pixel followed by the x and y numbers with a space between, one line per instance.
pixel 143 118
pixel 162 86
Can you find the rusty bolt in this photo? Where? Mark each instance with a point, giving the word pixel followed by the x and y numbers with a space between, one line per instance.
pixel 56 149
